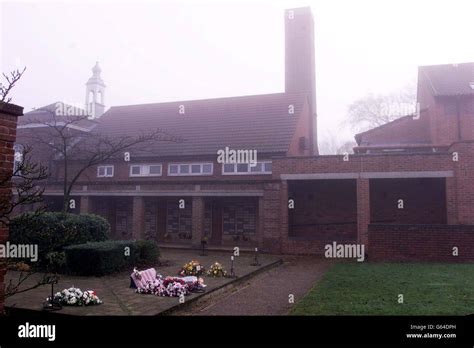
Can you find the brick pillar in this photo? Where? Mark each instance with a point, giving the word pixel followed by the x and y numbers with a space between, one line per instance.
pixel 197 220
pixel 161 219
pixel 451 201
pixel 363 211
pixel 260 219
pixel 8 119
pixel 138 217
pixel 272 217
pixel 463 172
pixel 284 216
pixel 85 204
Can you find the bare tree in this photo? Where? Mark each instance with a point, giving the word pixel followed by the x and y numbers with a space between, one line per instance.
pixel 375 110
pixel 331 144
pixel 25 184
pixel 346 147
pixel 24 179
pixel 22 183
pixel 76 151
pixel 328 144
pixel 14 286
pixel 11 80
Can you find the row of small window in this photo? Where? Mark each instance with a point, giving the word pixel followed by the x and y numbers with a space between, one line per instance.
pixel 244 168
pixel 189 169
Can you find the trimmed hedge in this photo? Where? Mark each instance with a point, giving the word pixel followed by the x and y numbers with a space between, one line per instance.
pixel 54 231
pixel 101 258
pixel 147 253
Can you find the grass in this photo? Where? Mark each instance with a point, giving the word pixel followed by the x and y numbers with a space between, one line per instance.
pixel 373 289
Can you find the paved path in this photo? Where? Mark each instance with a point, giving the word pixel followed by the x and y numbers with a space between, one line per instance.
pixel 114 289
pixel 267 293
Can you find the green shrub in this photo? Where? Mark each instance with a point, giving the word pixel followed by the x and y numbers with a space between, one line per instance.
pixel 98 258
pixel 54 231
pixel 101 258
pixel 56 262
pixel 147 252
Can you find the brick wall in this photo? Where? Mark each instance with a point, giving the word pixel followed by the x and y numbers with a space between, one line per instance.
pixel 463 180
pixel 452 119
pixel 362 163
pixel 197 216
pixel 122 171
pixel 424 201
pixel 303 128
pixel 421 243
pixel 450 200
pixel 363 211
pixel 8 120
pixel 324 210
pixel 275 207
pixel 443 120
pixel 442 114
pixel 407 130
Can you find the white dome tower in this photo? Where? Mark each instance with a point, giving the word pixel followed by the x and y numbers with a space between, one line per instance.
pixel 95 90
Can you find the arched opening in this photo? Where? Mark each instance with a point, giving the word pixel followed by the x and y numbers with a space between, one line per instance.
pixel 90 98
pixel 100 98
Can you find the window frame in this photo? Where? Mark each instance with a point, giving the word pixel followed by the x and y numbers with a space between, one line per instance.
pixel 105 166
pixel 145 173
pixel 249 169
pixel 190 170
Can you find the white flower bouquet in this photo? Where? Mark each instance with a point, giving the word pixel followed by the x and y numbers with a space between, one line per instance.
pixel 77 297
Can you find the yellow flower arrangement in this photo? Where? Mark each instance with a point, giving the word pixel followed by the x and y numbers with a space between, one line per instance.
pixel 192 268
pixel 216 270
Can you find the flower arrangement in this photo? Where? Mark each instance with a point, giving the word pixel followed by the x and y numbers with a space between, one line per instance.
pixel 192 268
pixel 216 270
pixel 76 297
pixel 171 286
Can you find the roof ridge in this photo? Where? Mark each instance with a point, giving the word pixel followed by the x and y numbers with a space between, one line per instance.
pixel 445 65
pixel 280 94
pixel 435 92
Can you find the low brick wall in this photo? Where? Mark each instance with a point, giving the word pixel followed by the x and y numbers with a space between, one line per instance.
pixel 339 232
pixel 425 243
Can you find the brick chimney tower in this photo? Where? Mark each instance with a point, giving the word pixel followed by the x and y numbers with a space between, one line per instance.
pixel 299 59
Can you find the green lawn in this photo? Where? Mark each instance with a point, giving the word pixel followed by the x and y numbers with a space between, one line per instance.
pixel 373 289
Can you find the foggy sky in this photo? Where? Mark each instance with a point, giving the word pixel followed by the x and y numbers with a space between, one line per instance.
pixel 155 51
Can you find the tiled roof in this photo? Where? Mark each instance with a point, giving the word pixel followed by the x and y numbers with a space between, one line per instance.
pixel 260 122
pixel 450 79
pixel 404 130
pixel 34 126
pixel 46 115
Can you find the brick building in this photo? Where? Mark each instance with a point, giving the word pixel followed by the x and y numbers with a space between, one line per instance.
pixel 8 120
pixel 406 193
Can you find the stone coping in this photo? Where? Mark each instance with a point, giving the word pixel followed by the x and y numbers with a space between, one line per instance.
pixel 11 109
